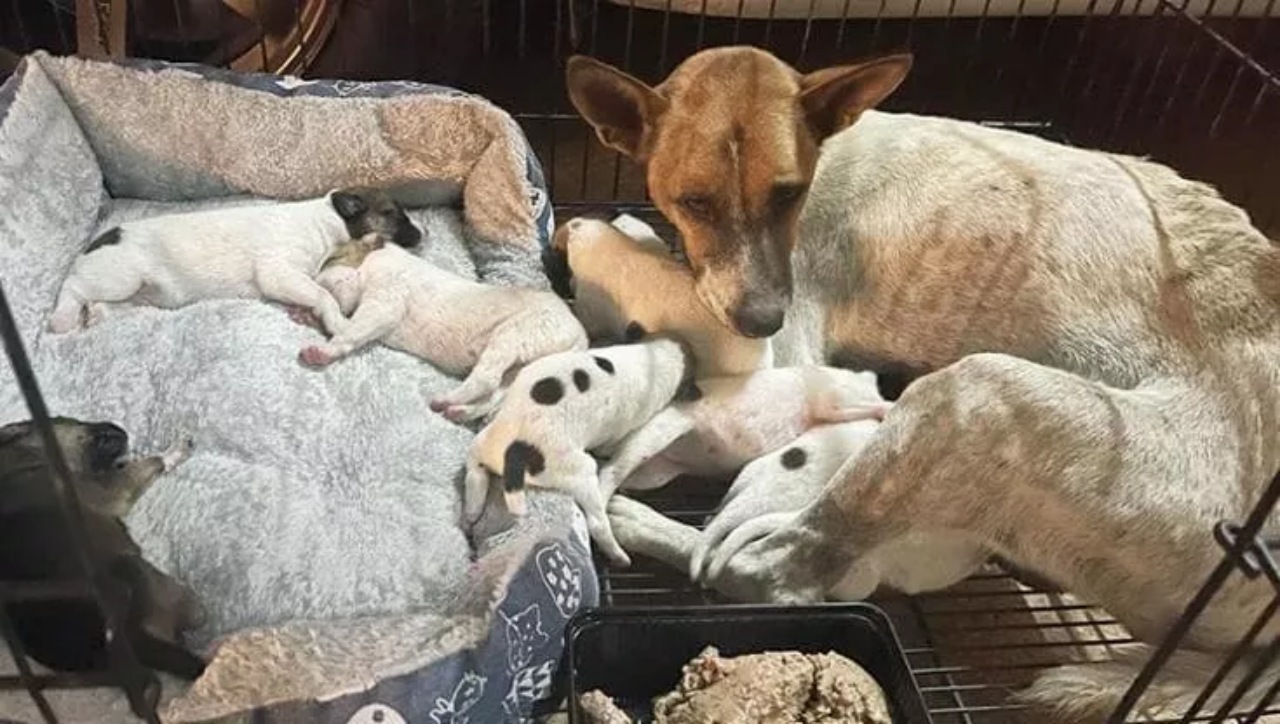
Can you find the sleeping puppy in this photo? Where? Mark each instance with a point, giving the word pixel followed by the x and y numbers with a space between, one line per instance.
pixel 268 251
pixel 737 420
pixel 766 496
pixel 624 288
pixel 458 325
pixel 69 634
pixel 561 408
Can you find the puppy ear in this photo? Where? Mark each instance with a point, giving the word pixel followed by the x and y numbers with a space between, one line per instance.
pixel 623 110
pixel 834 98
pixel 348 205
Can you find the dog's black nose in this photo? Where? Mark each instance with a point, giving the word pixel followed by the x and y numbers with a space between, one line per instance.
pixel 759 318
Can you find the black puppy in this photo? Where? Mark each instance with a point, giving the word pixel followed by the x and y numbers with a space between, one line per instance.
pixel 69 634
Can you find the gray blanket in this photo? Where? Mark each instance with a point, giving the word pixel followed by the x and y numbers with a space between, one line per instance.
pixel 319 513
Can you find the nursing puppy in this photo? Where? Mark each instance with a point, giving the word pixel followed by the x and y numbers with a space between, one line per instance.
pixel 267 251
pixel 561 408
pixel 738 419
pixel 624 287
pixel 69 634
pixel 461 326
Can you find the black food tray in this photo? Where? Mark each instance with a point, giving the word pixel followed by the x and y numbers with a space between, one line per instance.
pixel 634 655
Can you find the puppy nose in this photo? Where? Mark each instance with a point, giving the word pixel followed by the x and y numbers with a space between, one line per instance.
pixel 759 318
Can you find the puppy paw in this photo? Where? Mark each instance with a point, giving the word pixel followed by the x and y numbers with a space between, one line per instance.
pixel 303 316
pixel 439 405
pixel 93 314
pixel 313 356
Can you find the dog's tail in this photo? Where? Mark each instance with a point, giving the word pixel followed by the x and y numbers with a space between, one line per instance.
pixel 1089 693
pixel 520 459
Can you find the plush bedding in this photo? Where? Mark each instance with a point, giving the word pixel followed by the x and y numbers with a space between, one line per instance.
pixel 318 519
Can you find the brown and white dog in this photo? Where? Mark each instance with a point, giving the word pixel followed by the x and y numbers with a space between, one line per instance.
pixel 1098 339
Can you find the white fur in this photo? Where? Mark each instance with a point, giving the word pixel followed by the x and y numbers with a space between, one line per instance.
pixel 737 420
pixel 618 280
pixel 461 326
pixel 1132 404
pixel 267 251
pixel 643 380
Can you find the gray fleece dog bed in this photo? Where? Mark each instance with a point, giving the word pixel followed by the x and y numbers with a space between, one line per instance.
pixel 318 519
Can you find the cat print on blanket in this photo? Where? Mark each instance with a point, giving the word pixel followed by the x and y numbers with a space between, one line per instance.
pixel 564 406
pixel 265 251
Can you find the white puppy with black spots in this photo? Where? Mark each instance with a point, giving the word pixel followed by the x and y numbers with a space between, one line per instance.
pixel 767 496
pixel 738 419
pixel 560 409
pixel 461 326
pixel 267 251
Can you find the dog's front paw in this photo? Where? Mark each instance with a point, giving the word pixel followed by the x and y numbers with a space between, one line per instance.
pixel 303 316
pixel 770 561
pixel 178 452
pixel 314 356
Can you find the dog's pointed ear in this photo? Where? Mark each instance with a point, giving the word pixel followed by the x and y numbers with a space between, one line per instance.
pixel 833 98
pixel 348 205
pixel 623 110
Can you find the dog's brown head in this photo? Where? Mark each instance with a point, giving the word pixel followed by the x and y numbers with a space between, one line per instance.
pixel 373 211
pixel 93 451
pixel 730 140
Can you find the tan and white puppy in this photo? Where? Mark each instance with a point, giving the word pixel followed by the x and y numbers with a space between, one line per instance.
pixel 268 251
pixel 624 288
pixel 563 407
pixel 738 419
pixel 461 326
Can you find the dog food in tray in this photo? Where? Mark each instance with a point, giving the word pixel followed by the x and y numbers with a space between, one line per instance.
pixel 636 655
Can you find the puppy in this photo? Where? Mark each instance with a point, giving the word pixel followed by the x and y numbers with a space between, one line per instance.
pixel 561 408
pixel 69 634
pixel 624 288
pixel 737 420
pixel 263 251
pixel 458 325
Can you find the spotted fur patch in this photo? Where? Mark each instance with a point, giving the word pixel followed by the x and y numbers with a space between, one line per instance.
pixel 794 458
pixel 634 332
pixel 604 364
pixel 581 380
pixel 547 391
pixel 521 458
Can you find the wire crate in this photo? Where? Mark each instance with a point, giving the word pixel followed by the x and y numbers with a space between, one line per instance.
pixel 1191 83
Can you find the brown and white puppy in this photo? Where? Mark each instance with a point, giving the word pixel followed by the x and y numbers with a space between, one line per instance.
pixel 624 288
pixel 1096 339
pixel 69 634
pixel 461 326
pixel 564 407
pixel 268 251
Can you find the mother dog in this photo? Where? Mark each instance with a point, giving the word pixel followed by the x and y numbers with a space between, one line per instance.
pixel 1097 339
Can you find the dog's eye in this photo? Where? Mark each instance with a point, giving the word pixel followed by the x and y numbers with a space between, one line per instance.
pixel 701 207
pixel 785 195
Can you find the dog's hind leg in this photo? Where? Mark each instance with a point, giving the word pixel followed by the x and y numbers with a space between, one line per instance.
pixel 284 284
pixel 641 529
pixel 641 446
pixel 576 475
pixel 105 275
pixel 374 319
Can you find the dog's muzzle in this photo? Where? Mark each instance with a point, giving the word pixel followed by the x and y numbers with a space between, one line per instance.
pixel 107 444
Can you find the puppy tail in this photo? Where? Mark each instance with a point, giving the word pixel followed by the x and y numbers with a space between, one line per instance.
pixel 520 459
pixel 1089 693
